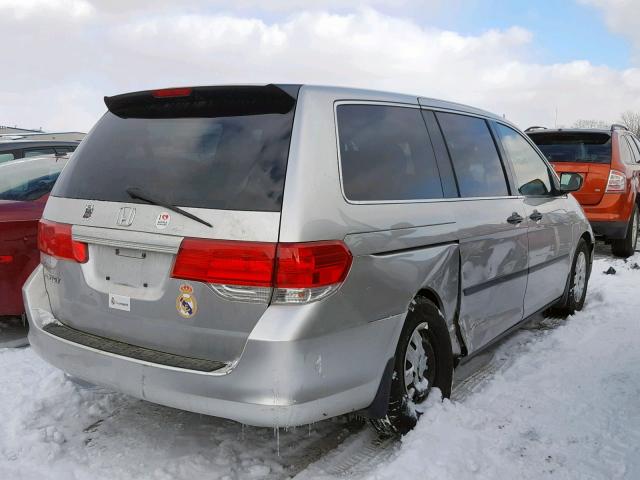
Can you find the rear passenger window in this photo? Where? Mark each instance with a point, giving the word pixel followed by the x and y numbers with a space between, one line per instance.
pixel 475 159
pixel 386 154
pixel 532 173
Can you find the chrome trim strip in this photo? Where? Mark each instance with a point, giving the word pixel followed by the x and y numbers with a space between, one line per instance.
pixel 149 242
pixel 124 244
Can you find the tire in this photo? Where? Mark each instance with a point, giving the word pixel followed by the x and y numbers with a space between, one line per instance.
pixel 627 246
pixel 578 281
pixel 424 328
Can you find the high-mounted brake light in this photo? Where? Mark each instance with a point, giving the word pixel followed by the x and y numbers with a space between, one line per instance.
pixel 255 271
pixel 172 92
pixel 617 182
pixel 55 239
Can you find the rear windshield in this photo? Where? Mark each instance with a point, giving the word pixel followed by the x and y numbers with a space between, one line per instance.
pixel 29 179
pixel 580 147
pixel 231 159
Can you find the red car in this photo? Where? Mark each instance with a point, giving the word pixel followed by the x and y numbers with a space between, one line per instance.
pixel 24 188
pixel 609 163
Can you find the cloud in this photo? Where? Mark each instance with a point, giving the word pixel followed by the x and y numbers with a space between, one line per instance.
pixel 113 52
pixel 622 17
pixel 23 9
pixel 119 6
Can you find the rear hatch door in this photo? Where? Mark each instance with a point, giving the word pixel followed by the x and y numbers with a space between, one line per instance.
pixel 595 177
pixel 219 154
pixel 585 152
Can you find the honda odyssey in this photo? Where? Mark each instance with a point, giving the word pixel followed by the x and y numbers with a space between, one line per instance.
pixel 282 254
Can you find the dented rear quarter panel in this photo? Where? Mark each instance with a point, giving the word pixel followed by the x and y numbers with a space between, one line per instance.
pixel 398 248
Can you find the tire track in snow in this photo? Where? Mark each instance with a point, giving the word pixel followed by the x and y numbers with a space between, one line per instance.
pixel 362 453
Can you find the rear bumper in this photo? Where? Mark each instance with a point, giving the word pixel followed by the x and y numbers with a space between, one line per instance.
pixel 610 217
pixel 274 383
pixel 610 230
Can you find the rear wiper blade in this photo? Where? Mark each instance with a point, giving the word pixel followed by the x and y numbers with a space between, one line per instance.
pixel 138 193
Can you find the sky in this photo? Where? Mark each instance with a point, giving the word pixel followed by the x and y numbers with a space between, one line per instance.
pixel 548 62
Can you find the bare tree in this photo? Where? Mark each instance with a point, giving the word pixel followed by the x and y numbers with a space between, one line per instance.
pixel 632 120
pixel 586 123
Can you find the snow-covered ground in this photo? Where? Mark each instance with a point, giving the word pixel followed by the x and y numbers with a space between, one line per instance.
pixel 560 399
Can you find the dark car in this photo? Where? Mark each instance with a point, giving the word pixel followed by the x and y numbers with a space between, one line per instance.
pixel 24 188
pixel 16 149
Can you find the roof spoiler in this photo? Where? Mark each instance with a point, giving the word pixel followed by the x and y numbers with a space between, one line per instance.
pixel 619 126
pixel 534 128
pixel 198 102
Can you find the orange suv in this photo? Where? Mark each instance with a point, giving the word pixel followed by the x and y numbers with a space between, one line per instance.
pixel 609 163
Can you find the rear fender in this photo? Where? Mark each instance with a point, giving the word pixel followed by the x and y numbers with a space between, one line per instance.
pixel 432 271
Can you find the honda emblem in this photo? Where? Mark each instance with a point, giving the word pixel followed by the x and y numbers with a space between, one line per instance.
pixel 125 216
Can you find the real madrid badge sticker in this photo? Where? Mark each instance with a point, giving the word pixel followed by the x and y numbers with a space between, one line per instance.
pixel 186 302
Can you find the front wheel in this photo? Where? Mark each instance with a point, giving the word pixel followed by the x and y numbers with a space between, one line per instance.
pixel 578 281
pixel 625 247
pixel 423 360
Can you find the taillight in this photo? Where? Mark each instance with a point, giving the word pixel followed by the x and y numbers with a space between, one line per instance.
pixel 55 239
pixel 310 271
pixel 315 264
pixel 263 272
pixel 225 262
pixel 617 182
pixel 172 92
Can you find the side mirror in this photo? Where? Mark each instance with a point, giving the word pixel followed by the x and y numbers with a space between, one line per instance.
pixel 570 182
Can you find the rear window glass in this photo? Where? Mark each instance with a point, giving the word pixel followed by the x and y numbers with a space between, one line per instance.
pixel 230 162
pixel 587 147
pixel 386 154
pixel 475 159
pixel 29 179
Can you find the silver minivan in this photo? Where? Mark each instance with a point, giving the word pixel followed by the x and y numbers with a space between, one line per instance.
pixel 282 254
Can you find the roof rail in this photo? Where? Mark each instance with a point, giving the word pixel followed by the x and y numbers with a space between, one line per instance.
pixel 619 126
pixel 535 127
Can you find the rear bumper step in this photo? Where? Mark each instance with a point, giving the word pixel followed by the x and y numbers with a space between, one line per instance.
pixel 131 351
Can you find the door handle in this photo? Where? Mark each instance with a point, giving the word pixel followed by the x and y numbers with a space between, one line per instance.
pixel 515 219
pixel 536 216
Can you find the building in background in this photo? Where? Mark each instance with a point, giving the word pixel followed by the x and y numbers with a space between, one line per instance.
pixel 15 133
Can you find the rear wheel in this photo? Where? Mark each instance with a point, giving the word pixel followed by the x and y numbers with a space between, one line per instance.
pixel 625 247
pixel 423 361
